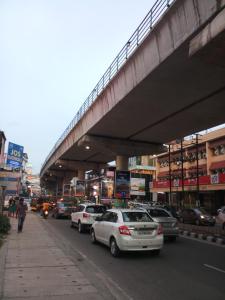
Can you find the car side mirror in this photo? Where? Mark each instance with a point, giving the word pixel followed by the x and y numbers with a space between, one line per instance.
pixel 99 219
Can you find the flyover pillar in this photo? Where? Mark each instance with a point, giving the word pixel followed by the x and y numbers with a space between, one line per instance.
pixel 121 163
pixel 81 175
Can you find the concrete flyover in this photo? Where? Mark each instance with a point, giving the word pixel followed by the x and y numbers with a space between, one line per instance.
pixel 172 85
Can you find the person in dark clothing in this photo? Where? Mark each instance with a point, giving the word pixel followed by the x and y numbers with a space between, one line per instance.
pixel 21 214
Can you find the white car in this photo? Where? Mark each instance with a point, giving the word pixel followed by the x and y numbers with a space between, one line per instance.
pixel 127 230
pixel 221 216
pixel 85 215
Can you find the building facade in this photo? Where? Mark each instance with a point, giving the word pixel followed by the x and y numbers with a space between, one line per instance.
pixel 192 172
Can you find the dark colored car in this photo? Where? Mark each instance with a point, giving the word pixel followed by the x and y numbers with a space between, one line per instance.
pixel 62 209
pixel 197 216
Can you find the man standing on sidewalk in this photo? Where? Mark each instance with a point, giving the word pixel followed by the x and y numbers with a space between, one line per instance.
pixel 21 214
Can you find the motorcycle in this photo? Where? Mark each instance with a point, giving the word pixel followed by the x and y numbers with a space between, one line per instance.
pixel 45 214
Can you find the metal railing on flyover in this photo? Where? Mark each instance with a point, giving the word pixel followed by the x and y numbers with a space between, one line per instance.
pixel 157 10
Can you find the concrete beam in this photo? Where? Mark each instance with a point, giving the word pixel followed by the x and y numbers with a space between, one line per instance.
pixel 78 165
pixel 209 43
pixel 123 147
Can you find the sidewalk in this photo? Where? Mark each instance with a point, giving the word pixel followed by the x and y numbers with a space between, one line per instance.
pixel 36 268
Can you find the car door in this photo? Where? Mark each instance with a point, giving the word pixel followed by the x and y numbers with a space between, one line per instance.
pixel 77 214
pixel 109 225
pixel 99 226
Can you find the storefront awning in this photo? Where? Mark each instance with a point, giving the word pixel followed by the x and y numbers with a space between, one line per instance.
pixel 217 165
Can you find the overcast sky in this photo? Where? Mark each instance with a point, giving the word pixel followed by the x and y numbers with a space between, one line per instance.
pixel 52 54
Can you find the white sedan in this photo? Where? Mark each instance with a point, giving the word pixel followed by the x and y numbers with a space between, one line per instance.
pixel 127 230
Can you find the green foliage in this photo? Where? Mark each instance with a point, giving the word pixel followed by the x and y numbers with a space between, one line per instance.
pixel 4 224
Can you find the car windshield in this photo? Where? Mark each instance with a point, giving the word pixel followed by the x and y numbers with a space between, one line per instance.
pixel 62 205
pixel 96 209
pixel 135 216
pixel 158 213
pixel 201 211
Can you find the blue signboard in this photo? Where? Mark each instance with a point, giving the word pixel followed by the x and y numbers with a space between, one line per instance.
pixel 15 155
pixel 122 184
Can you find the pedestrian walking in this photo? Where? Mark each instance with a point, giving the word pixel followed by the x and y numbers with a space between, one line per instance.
pixel 12 208
pixel 21 214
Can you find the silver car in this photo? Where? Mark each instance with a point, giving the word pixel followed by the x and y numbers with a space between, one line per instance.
pixel 168 222
pixel 127 230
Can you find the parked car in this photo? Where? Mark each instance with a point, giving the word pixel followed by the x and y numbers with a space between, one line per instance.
pixel 221 216
pixel 127 230
pixel 197 216
pixel 85 215
pixel 62 209
pixel 168 222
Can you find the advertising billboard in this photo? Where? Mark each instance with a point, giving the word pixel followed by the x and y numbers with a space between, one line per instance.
pixel 122 184
pixel 80 188
pixel 15 155
pixel 137 186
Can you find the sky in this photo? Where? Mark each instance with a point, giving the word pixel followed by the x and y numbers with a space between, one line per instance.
pixel 52 54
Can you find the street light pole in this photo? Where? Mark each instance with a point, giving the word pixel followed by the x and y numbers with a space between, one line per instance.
pixel 170 174
pixel 197 169
pixel 182 171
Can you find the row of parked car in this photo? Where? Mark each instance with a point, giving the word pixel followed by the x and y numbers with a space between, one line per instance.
pixel 135 229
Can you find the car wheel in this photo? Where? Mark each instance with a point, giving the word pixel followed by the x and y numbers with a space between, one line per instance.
pixel 155 252
pixel 93 238
pixel 114 249
pixel 80 227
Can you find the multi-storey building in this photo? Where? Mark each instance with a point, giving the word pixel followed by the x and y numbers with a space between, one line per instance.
pixel 192 172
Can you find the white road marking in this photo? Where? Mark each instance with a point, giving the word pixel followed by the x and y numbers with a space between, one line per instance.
pixel 214 268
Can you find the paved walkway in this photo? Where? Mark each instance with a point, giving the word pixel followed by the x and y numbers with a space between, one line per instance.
pixel 36 268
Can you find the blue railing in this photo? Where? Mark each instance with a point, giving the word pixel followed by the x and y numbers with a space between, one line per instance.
pixel 159 7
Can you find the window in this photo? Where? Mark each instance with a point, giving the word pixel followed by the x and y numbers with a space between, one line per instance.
pixel 95 209
pixel 136 217
pixel 106 216
pixel 158 213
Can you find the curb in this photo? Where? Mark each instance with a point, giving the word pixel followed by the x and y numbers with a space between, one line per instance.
pixel 201 236
pixel 3 252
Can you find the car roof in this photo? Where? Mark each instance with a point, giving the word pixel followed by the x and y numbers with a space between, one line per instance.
pixel 125 210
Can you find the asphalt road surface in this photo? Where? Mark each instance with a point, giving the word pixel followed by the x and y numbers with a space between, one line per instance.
pixel 185 269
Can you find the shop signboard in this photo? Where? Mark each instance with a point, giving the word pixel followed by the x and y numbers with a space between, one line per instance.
pixel 122 184
pixel 80 188
pixel 15 155
pixel 137 186
pixel 107 189
pixel 215 179
pixel 66 190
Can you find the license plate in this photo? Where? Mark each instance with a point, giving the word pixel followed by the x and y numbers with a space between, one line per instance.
pixel 145 232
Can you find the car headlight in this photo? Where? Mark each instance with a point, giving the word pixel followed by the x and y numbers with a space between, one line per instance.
pixel 202 217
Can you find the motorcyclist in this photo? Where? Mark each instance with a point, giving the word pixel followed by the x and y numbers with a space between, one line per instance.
pixel 45 207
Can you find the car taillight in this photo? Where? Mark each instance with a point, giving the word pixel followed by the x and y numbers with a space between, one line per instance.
pixel 85 215
pixel 124 230
pixel 160 229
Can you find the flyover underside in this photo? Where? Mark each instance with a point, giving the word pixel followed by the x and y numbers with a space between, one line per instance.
pixel 183 94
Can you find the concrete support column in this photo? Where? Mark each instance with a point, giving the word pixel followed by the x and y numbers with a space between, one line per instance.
pixel 81 175
pixel 121 163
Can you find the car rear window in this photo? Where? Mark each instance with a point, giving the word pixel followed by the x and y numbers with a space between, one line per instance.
pixel 62 205
pixel 95 209
pixel 158 213
pixel 136 217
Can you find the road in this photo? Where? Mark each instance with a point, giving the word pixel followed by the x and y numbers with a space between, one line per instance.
pixel 186 269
